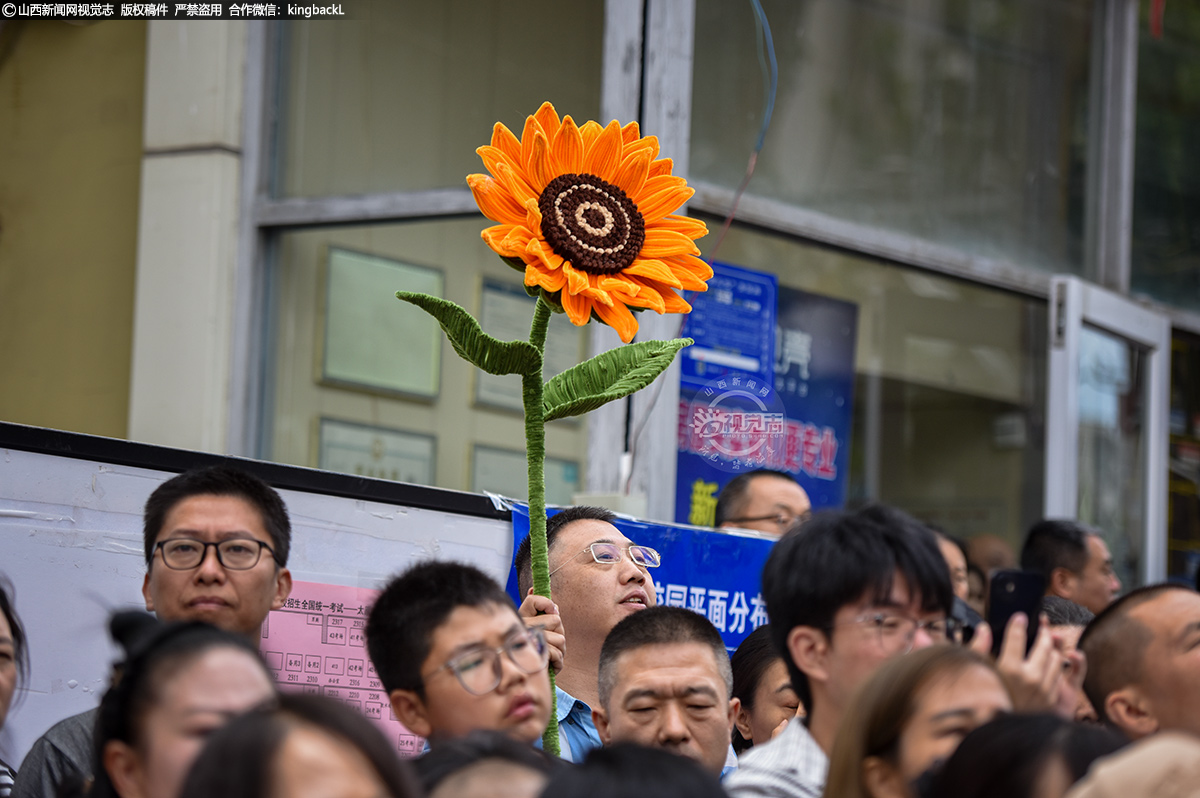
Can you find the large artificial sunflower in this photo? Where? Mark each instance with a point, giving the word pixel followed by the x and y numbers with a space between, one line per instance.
pixel 586 213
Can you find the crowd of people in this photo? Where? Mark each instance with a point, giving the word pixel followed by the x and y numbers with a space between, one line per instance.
pixel 876 676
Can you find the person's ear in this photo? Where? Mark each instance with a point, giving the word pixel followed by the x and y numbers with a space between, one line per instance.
pixel 146 591
pixel 1129 710
pixel 124 768
pixel 735 709
pixel 1063 583
pixel 410 710
pixel 600 721
pixel 283 588
pixel 881 779
pixel 741 720
pixel 809 649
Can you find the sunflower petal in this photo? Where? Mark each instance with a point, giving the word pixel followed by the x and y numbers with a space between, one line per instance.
pixel 567 147
pixel 690 265
pixel 645 298
pixel 504 140
pixel 589 133
pixel 662 243
pixel 692 228
pixel 494 159
pixel 547 117
pixel 662 166
pixel 531 127
pixel 494 201
pixel 497 237
pixel 546 258
pixel 578 308
pixel 604 157
pixel 515 182
pixel 541 163
pixel 596 291
pixel 654 269
pixel 620 319
pixel 662 195
pixel 630 133
pixel 650 144
pixel 631 175
pixel 552 281
pixel 577 281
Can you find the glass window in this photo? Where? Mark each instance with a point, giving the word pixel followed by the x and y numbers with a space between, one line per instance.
pixel 399 99
pixel 314 417
pixel 962 122
pixel 1165 251
pixel 950 387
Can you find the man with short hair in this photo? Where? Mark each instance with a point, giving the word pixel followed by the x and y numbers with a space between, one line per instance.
pixel 1143 656
pixel 455 657
pixel 666 682
pixel 1074 561
pixel 845 593
pixel 763 500
pixel 598 577
pixel 216 543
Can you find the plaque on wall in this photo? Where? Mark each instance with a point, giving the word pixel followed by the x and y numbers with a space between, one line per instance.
pixel 378 452
pixel 371 340
pixel 503 471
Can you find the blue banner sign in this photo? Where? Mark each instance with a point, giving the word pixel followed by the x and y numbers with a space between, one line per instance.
pixel 714 573
pixel 769 383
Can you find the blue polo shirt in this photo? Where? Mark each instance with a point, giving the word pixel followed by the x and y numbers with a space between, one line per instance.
pixel 576 733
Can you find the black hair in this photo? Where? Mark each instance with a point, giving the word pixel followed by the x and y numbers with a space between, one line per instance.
pixel 1115 645
pixel 754 656
pixel 1055 543
pixel 1008 755
pixel 835 560
pixel 410 609
pixel 731 501
pixel 239 760
pixel 220 480
pixel 523 560
pixel 154 652
pixel 627 769
pixel 657 626
pixel 20 641
pixel 453 756
pixel 1063 612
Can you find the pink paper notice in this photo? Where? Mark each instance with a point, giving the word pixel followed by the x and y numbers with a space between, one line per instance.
pixel 317 643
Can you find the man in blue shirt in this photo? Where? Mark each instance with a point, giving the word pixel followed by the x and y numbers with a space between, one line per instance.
pixel 598 577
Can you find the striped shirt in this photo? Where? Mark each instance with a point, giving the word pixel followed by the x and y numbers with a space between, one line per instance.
pixel 790 766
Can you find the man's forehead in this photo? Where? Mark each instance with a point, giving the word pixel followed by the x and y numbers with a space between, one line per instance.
pixel 585 532
pixel 662 662
pixel 200 511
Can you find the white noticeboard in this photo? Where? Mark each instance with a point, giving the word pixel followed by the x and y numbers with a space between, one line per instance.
pixel 71 544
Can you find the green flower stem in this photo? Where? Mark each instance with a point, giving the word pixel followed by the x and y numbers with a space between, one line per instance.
pixel 535 458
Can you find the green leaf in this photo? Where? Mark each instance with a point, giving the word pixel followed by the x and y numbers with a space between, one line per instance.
pixel 609 375
pixel 471 342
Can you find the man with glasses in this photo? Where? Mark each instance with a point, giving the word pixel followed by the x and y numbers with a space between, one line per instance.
pixel 598 577
pixel 216 543
pixel 455 657
pixel 764 500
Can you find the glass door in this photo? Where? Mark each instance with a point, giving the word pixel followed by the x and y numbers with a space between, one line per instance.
pixel 1106 427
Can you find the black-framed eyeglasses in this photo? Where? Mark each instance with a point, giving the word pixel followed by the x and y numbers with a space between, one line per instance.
pixel 899 631
pixel 782 520
pixel 611 554
pixel 236 554
pixel 478 670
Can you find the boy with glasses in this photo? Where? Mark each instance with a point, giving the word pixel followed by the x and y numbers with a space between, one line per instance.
pixel 599 577
pixel 844 594
pixel 216 543
pixel 454 656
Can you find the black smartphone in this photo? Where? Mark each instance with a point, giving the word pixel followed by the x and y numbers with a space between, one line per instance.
pixel 1012 592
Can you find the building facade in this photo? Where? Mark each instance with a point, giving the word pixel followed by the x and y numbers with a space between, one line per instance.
pixel 201 225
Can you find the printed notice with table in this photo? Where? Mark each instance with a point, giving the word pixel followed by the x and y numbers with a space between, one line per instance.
pixel 317 644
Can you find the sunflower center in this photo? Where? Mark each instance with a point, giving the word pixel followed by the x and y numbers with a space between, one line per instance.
pixel 591 223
